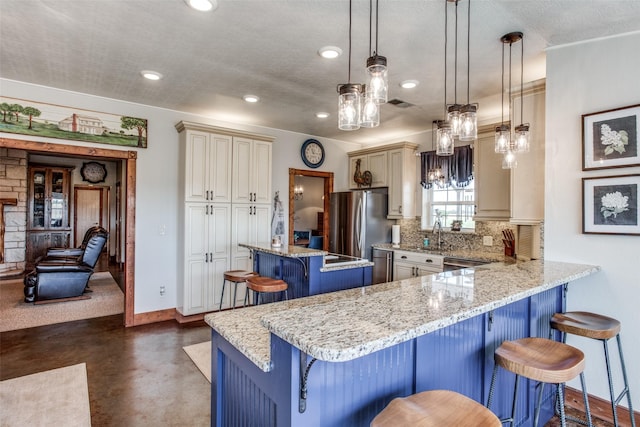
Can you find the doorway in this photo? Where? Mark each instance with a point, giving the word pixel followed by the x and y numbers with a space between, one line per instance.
pixel 89 210
pixel 129 161
pixel 327 189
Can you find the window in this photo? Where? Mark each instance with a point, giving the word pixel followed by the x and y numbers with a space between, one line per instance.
pixel 452 202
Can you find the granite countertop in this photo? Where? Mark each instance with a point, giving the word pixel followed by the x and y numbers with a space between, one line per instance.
pixel 345 325
pixel 453 253
pixel 285 250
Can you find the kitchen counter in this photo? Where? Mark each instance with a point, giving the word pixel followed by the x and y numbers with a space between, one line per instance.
pixel 349 324
pixel 453 253
pixel 285 250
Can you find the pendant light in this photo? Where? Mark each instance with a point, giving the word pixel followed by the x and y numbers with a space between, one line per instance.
pixel 468 112
pixel 453 111
pixel 504 141
pixel 444 138
pixel 434 174
pixel 370 111
pixel 349 99
pixel 377 86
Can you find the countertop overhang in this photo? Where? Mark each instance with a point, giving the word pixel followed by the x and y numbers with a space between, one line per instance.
pixel 345 325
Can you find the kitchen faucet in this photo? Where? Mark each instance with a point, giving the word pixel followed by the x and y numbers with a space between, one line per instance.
pixel 437 225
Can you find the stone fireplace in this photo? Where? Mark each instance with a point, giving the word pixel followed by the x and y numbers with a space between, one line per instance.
pixel 13 189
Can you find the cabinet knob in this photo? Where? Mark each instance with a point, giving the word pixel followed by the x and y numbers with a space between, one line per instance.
pixel 428 260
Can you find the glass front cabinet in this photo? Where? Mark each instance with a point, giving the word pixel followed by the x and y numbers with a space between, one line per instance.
pixel 48 221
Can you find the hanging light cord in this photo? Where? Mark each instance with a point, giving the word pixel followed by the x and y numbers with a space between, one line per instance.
pixel 349 79
pixel 455 60
pixel 376 51
pixel 370 19
pixel 446 19
pixel 521 80
pixel 468 48
pixel 510 44
pixel 502 102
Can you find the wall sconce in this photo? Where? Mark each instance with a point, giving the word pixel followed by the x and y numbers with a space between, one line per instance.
pixel 298 192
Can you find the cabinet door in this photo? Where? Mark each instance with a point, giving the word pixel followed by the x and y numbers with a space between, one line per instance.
pixel 37 198
pixel 241 232
pixel 219 168
pixel 195 287
pixel 403 270
pixel 242 191
pixel 196 166
pixel 395 184
pixel 37 245
pixel 196 231
pixel 492 188
pixel 422 270
pixel 378 165
pixel 57 213
pixel 261 169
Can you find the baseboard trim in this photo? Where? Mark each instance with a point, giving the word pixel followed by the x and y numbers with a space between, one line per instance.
pixel 154 316
pixel 180 318
pixel 600 408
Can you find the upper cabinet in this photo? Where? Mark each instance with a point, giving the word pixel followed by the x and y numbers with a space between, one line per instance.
pixel 207 167
pixel 492 183
pixel 251 182
pixel 392 166
pixel 527 179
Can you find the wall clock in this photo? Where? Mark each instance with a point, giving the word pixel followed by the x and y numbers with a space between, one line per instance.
pixel 93 172
pixel 312 153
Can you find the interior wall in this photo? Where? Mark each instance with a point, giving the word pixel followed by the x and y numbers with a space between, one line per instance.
pixel 586 78
pixel 157 179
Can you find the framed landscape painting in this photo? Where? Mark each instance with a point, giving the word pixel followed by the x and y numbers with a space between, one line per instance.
pixel 610 205
pixel 26 117
pixel 610 138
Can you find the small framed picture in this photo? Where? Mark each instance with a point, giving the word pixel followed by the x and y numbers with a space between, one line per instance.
pixel 610 205
pixel 456 225
pixel 610 138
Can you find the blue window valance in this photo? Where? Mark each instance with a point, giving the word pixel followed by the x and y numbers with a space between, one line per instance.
pixel 457 170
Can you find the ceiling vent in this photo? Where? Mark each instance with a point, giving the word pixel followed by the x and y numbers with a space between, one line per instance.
pixel 399 103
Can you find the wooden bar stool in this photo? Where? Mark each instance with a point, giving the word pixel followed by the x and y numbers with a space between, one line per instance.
pixel 261 285
pixel 541 360
pixel 235 276
pixel 435 409
pixel 602 328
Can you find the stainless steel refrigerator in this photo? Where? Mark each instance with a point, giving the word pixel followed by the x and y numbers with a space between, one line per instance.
pixel 357 220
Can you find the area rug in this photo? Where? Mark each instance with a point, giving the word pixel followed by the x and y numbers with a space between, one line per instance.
pixel 59 397
pixel 200 354
pixel 106 299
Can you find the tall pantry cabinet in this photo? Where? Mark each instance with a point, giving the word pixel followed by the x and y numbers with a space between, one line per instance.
pixel 225 192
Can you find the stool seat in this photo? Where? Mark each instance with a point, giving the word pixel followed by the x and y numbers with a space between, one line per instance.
pixel 541 359
pixel 266 284
pixel 586 324
pixel 238 275
pixel 435 409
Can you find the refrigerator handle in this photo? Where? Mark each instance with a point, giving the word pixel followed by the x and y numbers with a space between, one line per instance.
pixel 359 227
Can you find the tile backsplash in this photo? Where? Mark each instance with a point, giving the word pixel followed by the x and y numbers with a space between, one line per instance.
pixel 412 235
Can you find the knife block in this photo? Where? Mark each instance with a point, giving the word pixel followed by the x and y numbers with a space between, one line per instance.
pixel 510 250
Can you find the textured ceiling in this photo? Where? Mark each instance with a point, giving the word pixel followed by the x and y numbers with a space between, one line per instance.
pixel 269 48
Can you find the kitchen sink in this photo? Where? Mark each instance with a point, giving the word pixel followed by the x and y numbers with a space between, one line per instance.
pixel 453 263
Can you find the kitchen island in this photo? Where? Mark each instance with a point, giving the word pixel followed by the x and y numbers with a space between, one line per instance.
pixel 309 271
pixel 337 359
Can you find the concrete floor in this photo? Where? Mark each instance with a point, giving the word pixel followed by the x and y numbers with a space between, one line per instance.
pixel 137 376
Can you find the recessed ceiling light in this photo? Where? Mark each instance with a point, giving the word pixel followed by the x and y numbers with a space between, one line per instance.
pixel 330 52
pixel 203 5
pixel 409 84
pixel 151 75
pixel 322 115
pixel 251 98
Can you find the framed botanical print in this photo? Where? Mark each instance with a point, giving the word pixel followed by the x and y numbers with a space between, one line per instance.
pixel 610 138
pixel 610 205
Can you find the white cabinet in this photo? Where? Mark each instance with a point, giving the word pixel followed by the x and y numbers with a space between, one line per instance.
pixel 492 183
pixel 376 163
pixel 206 240
pixel 527 180
pixel 402 182
pixel 226 190
pixel 413 264
pixel 392 166
pixel 251 181
pixel 207 167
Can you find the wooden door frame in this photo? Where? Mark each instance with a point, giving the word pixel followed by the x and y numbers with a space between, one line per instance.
pixel 328 189
pixel 129 158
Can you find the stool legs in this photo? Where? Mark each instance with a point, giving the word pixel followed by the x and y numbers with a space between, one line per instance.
pixel 615 400
pixel 224 282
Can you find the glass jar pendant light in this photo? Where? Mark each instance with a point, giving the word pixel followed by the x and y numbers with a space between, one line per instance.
pixel 370 111
pixel 377 86
pixel 349 98
pixel 468 112
pixel 444 138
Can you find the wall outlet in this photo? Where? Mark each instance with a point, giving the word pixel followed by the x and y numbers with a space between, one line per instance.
pixel 487 240
pixel 162 290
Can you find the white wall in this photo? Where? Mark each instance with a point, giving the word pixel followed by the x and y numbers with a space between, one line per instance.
pixel 585 78
pixel 157 179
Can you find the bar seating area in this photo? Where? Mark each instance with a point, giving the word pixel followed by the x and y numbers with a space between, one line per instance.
pixel 264 286
pixel 602 328
pixel 235 277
